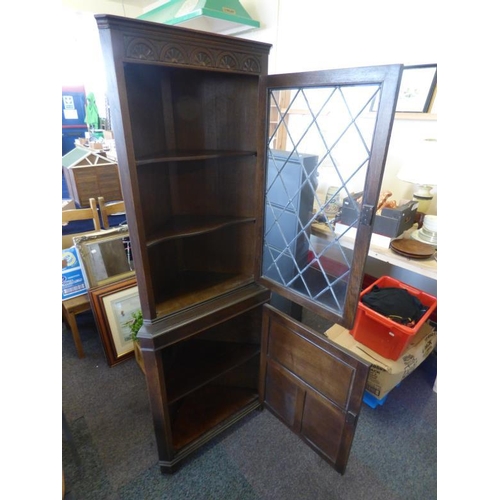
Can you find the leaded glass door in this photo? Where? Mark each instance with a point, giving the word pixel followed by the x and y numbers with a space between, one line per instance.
pixel 327 141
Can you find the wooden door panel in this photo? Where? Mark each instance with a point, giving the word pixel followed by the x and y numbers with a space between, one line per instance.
pixel 315 387
pixel 284 395
pixel 323 426
pixel 300 356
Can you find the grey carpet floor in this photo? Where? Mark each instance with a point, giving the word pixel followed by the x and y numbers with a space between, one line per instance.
pixel 109 449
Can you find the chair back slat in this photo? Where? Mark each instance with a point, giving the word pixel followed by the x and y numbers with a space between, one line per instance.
pixel 107 209
pixel 79 214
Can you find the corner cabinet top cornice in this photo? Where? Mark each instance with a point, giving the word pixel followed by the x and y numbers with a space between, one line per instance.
pixel 174 46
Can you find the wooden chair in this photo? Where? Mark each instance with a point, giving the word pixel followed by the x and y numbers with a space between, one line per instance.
pixel 80 214
pixel 76 305
pixel 107 209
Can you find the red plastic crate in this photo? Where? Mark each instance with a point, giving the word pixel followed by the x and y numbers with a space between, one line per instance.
pixel 382 334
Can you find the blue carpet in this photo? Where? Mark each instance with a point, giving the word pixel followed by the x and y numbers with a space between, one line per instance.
pixel 209 475
pixel 394 453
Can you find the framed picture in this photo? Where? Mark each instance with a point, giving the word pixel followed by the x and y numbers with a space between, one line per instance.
pixel 113 305
pixel 105 256
pixel 417 88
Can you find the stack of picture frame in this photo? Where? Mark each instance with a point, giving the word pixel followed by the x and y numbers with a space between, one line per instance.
pixel 109 274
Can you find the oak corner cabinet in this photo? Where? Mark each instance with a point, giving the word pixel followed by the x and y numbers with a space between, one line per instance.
pixel 220 195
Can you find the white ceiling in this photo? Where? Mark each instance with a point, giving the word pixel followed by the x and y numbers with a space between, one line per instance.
pixel 130 8
pixel 136 3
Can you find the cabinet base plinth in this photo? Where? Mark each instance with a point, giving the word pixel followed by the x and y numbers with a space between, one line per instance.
pixel 171 466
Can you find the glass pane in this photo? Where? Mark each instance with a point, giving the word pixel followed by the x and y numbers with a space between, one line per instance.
pixel 318 151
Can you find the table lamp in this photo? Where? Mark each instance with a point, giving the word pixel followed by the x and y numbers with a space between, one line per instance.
pixel 421 169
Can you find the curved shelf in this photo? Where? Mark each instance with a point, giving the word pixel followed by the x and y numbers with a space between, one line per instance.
pixel 187 155
pixel 208 412
pixel 188 225
pixel 193 287
pixel 201 362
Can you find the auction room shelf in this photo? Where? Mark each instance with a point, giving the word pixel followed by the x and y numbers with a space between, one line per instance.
pixel 424 267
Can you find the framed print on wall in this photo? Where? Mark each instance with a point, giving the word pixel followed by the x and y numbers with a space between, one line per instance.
pixel 417 88
pixel 113 305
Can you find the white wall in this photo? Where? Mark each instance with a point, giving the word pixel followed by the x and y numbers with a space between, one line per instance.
pixel 321 34
pixel 81 50
pixel 116 7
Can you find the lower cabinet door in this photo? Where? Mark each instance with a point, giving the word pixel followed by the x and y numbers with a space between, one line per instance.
pixel 313 386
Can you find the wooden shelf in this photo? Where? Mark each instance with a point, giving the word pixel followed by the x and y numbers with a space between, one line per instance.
pixel 186 155
pixel 193 287
pixel 200 362
pixel 207 410
pixel 188 225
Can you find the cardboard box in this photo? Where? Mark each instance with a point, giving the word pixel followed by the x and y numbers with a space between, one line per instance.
pixel 391 222
pixel 386 374
pixel 96 145
pixel 68 205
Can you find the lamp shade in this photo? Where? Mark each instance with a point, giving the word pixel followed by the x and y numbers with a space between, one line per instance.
pixel 227 17
pixel 421 166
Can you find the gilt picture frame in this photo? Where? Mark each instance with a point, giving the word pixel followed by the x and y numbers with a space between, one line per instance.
pixel 113 305
pixel 105 256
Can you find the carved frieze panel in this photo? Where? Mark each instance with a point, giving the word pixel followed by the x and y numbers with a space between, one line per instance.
pixel 182 53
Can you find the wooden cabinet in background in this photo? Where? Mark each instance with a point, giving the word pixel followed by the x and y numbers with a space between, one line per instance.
pixel 189 112
pixel 90 175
